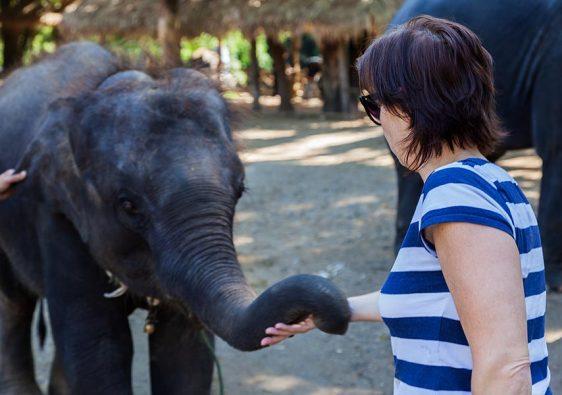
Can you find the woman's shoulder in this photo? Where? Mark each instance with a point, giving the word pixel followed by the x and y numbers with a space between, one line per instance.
pixel 472 190
pixel 468 174
pixel 480 192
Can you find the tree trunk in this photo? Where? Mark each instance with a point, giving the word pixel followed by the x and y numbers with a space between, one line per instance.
pixel 169 32
pixel 220 64
pixel 277 52
pixel 356 48
pixel 254 75
pixel 338 92
pixel 330 77
pixel 15 41
pixel 296 55
pixel 343 76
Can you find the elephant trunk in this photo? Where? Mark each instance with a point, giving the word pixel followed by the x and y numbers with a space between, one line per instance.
pixel 203 273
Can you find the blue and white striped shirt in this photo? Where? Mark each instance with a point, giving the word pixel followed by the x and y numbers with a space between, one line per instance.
pixel 431 352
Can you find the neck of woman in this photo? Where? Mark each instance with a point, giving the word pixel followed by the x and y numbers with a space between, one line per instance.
pixel 446 157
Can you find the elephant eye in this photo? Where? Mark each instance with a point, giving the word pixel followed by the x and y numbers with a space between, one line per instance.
pixel 241 190
pixel 128 207
pixel 129 212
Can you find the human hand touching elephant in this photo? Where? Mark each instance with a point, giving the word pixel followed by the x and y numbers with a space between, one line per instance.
pixel 281 331
pixel 362 308
pixel 7 180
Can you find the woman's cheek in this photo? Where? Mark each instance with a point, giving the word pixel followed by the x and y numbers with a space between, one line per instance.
pixel 390 136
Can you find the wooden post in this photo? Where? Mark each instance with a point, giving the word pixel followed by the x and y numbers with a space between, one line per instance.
pixel 356 47
pixel 277 52
pixel 254 74
pixel 330 76
pixel 169 32
pixel 343 75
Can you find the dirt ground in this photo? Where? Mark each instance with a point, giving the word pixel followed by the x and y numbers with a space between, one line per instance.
pixel 322 200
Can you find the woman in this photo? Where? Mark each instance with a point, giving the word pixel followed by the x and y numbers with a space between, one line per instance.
pixel 465 299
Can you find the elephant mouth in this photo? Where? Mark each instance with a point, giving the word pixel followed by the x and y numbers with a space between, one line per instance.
pixel 121 287
pixel 136 286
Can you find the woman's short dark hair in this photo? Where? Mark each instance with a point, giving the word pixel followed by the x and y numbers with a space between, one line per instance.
pixel 438 74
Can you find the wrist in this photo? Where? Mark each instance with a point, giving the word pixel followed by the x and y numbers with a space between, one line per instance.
pixel 357 309
pixel 352 308
pixel 364 307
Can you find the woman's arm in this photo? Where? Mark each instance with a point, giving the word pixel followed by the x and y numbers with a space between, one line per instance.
pixel 482 269
pixel 363 308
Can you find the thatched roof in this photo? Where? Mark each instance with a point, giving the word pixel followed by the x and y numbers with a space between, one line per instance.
pixel 325 18
pixel 134 18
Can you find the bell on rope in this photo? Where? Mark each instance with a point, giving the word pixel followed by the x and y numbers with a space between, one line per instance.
pixel 149 328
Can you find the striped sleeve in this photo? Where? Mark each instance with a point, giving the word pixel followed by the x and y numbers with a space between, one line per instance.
pixel 461 195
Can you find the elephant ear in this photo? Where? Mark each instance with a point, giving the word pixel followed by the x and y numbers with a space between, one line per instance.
pixel 65 117
pixel 78 137
pixel 58 156
pixel 52 132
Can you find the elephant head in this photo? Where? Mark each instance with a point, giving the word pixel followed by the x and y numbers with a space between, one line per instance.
pixel 147 172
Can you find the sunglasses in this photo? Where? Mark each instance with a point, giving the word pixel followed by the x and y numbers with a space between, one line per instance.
pixel 372 109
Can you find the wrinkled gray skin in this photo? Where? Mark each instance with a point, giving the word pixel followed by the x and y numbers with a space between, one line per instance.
pixel 525 41
pixel 138 176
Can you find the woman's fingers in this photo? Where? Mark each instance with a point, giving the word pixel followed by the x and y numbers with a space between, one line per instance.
pixel 301 327
pixel 8 173
pixel 270 341
pixel 17 177
pixel 282 331
pixel 10 177
pixel 286 330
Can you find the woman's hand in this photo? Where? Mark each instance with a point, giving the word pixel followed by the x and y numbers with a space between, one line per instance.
pixel 283 331
pixel 7 179
pixel 363 308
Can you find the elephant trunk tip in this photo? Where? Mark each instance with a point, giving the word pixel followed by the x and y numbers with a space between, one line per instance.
pixel 329 305
pixel 290 301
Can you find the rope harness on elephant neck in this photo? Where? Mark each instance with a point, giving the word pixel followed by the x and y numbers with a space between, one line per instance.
pixel 211 348
pixel 152 319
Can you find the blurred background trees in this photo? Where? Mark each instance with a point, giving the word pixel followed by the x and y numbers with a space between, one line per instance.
pixel 298 49
pixel 21 21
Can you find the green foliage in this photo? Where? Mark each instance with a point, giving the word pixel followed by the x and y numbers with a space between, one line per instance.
pixel 202 41
pixel 133 49
pixel 264 60
pixel 239 49
pixel 43 41
pixel 231 95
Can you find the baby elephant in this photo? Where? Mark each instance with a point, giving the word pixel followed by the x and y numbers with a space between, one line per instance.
pixel 135 179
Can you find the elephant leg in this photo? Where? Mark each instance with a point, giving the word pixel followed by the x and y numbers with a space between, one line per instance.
pixel 180 360
pixel 17 376
pixel 550 218
pixel 547 135
pixel 409 189
pixel 58 384
pixel 91 333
